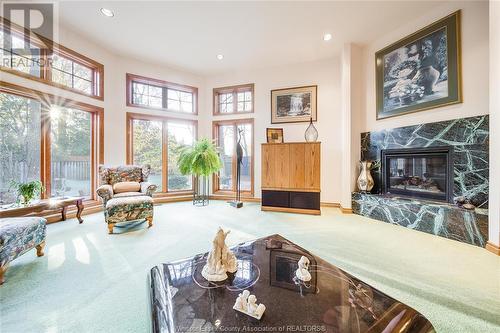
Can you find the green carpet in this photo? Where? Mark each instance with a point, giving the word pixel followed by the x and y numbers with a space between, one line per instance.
pixel 89 281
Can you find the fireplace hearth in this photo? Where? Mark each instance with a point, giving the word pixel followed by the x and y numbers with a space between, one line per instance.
pixel 418 173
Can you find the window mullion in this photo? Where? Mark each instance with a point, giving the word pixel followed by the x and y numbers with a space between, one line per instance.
pixel 235 101
pixel 164 96
pixel 235 159
pixel 164 150
pixel 45 151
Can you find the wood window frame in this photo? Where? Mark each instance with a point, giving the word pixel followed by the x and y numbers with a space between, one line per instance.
pixel 130 78
pixel 49 47
pixel 131 116
pixel 234 90
pixel 216 178
pixel 97 132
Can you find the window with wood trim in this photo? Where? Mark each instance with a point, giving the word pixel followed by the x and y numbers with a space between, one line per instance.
pixel 157 94
pixel 51 139
pixel 234 99
pixel 157 141
pixel 28 55
pixel 227 134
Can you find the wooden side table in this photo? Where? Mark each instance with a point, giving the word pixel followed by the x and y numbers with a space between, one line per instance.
pixel 47 204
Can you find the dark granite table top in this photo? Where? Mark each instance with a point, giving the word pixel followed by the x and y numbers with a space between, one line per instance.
pixel 333 301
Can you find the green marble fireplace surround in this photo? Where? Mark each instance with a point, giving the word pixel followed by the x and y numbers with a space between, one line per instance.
pixel 468 140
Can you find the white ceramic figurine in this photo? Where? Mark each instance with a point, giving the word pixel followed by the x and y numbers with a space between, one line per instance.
pixel 220 259
pixel 302 273
pixel 247 304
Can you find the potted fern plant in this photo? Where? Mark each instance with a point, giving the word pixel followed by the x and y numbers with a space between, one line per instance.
pixel 26 192
pixel 201 160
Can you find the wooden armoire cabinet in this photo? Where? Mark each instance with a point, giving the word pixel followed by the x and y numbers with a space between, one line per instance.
pixel 291 177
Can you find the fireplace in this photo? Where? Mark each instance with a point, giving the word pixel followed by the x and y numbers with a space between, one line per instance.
pixel 418 173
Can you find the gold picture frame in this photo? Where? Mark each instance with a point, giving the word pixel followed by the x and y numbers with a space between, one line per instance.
pixel 421 71
pixel 294 105
pixel 274 135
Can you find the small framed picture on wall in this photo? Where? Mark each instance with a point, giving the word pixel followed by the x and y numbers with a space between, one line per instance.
pixel 274 135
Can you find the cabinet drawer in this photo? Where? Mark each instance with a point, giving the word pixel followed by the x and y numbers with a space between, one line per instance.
pixel 275 198
pixel 305 200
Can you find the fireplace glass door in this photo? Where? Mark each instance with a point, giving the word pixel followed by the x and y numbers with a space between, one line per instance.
pixel 418 175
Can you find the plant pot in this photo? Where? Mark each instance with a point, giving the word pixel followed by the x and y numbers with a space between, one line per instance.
pixel 201 191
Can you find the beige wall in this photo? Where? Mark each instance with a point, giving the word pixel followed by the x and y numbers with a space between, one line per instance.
pixel 494 199
pixel 326 75
pixel 474 68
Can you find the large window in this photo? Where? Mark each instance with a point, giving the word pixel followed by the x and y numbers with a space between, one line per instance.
pixel 71 152
pixel 20 133
pixel 54 140
pixel 158 141
pixel 18 57
pixel 72 74
pixel 147 148
pixel 234 99
pixel 38 58
pixel 157 94
pixel 228 134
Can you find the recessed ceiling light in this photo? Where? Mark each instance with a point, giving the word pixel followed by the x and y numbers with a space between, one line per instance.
pixel 107 12
pixel 327 37
pixel 220 56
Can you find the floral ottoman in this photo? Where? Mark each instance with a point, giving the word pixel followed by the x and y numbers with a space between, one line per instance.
pixel 127 209
pixel 19 235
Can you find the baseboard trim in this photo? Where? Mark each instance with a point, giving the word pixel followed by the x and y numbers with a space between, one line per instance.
pixel 229 198
pixel 493 248
pixel 345 210
pixel 330 204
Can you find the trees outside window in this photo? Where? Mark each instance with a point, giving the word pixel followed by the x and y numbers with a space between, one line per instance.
pixel 147 146
pixel 227 133
pixel 20 133
pixel 48 62
pixel 162 95
pixel 71 159
pixel 48 138
pixel 233 99
pixel 158 141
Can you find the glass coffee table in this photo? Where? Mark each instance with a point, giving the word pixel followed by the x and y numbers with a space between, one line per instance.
pixel 333 301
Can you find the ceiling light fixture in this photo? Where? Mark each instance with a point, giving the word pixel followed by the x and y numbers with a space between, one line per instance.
pixel 107 12
pixel 220 56
pixel 327 37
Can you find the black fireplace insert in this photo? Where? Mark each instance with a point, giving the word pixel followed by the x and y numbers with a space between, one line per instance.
pixel 418 172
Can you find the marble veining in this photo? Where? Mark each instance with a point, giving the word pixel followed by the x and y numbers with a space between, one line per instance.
pixel 443 220
pixel 469 138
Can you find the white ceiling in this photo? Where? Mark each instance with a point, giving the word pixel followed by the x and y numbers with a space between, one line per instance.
pixel 189 35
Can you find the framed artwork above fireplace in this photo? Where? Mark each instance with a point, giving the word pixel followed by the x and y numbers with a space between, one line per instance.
pixel 421 71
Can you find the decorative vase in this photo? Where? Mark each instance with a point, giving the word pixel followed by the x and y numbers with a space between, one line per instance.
pixel 311 134
pixel 365 180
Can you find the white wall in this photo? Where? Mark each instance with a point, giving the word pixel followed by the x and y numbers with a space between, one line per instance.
pixel 474 68
pixel 325 74
pixel 494 198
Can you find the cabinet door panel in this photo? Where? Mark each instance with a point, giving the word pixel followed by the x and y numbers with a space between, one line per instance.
pixel 297 166
pixel 267 166
pixel 281 166
pixel 312 166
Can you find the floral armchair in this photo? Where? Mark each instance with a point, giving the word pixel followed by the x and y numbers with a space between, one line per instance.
pixel 110 175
